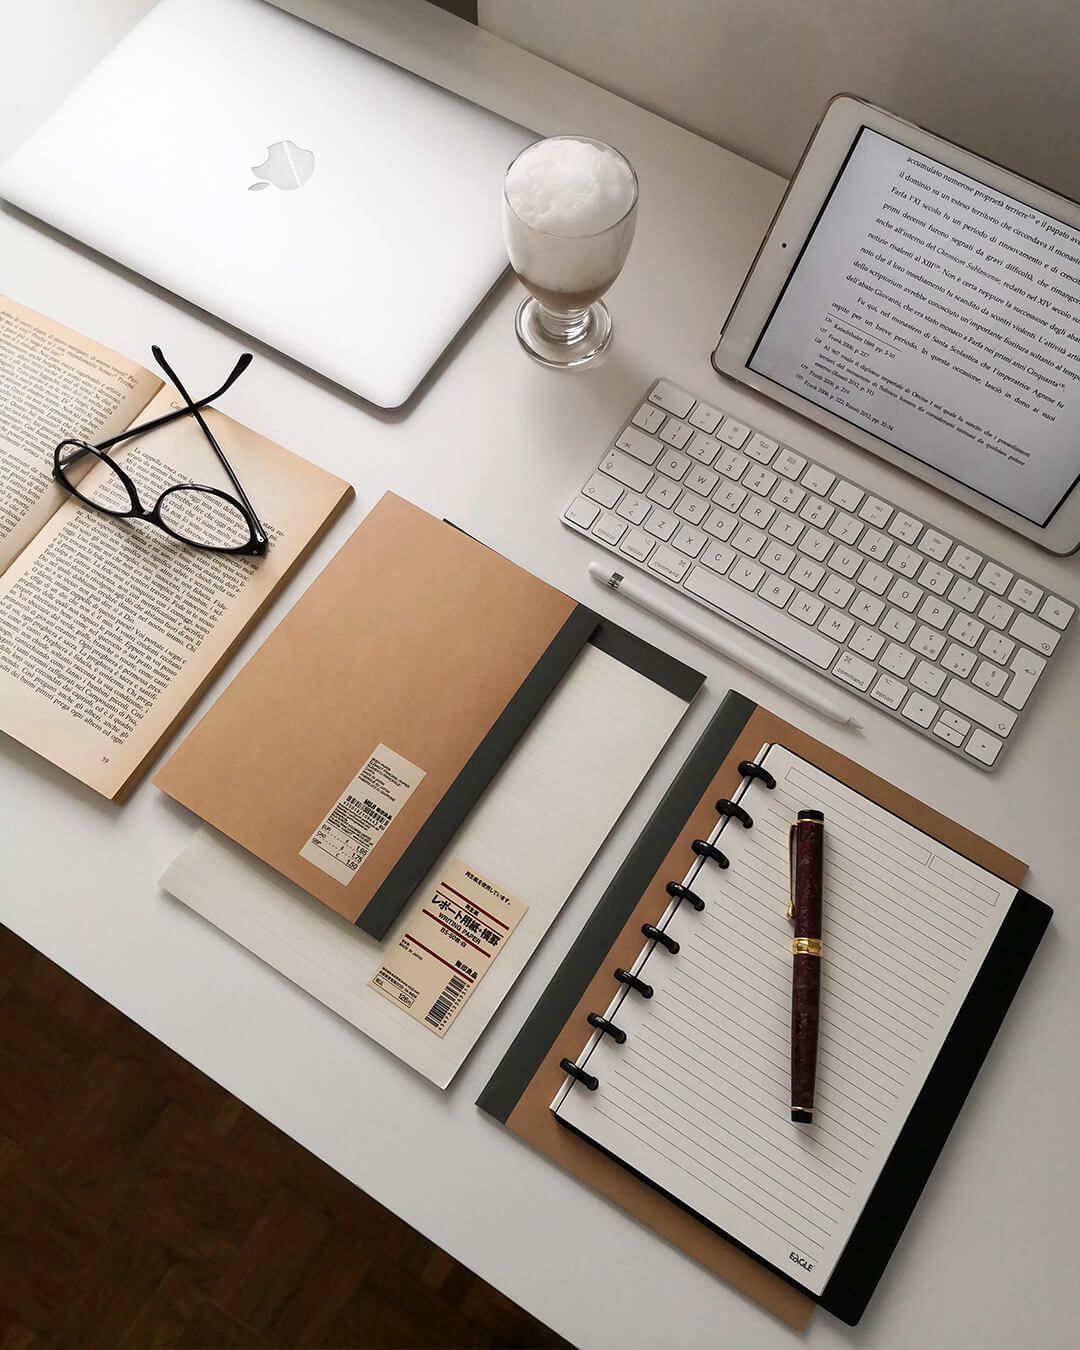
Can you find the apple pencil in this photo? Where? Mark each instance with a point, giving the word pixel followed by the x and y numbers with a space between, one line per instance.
pixel 711 636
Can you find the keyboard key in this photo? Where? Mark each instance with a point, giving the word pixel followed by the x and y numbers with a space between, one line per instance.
pixel 788 496
pixel 669 563
pixel 854 670
pixel 905 561
pixel 747 574
pixel 730 495
pixel 845 528
pixel 640 446
pixel 845 560
pixel 836 625
pixel 819 480
pixel 816 545
pixel 673 464
pixel 762 618
pixel 904 594
pixel 936 579
pixel 689 541
pixel 776 590
pixel 702 480
pixel 1026 668
pixel 1026 596
pixel 1034 634
pixel 988 712
pixel 846 495
pixel 637 545
pixel 868 608
pixel 693 508
pixel 609 528
pixel 789 463
pixel 719 557
pixel 661 524
pixel 996 648
pixel 720 524
pixel 758 512
pixel 761 448
pixel 663 491
pixel 905 528
pixel 928 643
pixel 778 558
pixel 582 512
pixel 837 591
pixel 759 480
pixel 633 508
pixel 876 512
pixel 898 660
pixel 966 629
pixel 806 608
pixel 935 545
pixel 703 448
pixel 920 710
pixel 948 732
pixel 817 512
pixel 648 418
pixel 965 561
pixel 958 660
pixel 1056 611
pixel 748 540
pixel 935 611
pixel 807 574
pixel 983 747
pixel 928 678
pixel 734 433
pixel 996 612
pixel 897 625
pixel 786 528
pixel 602 489
pixel 990 678
pixel 876 578
pixel 876 545
pixel 676 433
pixel 966 596
pixel 732 465
pixel 629 472
pixel 995 578
pixel 866 642
pixel 705 418
pixel 889 691
pixel 671 399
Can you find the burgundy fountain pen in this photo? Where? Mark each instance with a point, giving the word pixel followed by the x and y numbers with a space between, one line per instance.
pixel 806 844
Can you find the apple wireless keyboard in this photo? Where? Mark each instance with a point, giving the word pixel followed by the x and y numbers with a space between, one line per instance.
pixel 948 641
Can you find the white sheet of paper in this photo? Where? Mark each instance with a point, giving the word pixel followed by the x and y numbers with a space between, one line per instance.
pixel 698 1098
pixel 534 832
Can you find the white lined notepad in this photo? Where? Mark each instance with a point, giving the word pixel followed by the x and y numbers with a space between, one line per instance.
pixel 697 1099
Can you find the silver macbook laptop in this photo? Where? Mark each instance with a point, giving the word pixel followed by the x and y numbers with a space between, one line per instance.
pixel 329 203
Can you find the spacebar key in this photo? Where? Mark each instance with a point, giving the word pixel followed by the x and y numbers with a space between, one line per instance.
pixel 763 618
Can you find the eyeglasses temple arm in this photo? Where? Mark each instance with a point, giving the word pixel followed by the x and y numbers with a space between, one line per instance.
pixel 177 413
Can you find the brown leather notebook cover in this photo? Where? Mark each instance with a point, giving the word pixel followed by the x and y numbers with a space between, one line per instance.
pixel 522 1089
pixel 416 640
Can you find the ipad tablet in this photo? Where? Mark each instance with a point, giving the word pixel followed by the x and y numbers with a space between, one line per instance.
pixel 924 303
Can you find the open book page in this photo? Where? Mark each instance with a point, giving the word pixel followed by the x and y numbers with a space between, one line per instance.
pixel 698 1097
pixel 533 833
pixel 109 628
pixel 53 384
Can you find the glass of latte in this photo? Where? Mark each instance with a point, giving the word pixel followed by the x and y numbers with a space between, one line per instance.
pixel 569 210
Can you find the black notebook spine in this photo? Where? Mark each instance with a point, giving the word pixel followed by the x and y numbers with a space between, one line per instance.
pixel 707 851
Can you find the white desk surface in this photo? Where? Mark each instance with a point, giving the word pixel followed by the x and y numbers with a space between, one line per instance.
pixel 499 445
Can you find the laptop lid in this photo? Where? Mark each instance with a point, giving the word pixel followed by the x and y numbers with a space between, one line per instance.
pixel 333 205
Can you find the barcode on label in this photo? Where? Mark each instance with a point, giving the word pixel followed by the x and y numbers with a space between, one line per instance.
pixel 446 1002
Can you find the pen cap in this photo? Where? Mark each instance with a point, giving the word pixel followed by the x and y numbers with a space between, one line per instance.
pixel 808 849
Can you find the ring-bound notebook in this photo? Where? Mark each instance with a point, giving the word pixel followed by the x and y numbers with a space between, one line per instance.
pixel 674 1065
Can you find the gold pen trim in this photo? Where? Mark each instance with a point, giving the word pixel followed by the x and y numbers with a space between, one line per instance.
pixel 804 946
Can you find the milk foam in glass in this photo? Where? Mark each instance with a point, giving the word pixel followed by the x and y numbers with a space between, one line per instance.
pixel 569 210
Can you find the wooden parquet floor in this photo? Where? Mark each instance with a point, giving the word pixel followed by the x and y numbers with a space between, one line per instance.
pixel 142 1205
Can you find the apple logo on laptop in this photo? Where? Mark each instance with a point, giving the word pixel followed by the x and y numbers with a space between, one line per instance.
pixel 287 166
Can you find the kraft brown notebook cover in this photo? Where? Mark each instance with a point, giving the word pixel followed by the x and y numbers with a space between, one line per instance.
pixel 356 740
pixel 521 1091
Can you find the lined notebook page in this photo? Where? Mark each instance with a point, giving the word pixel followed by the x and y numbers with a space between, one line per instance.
pixel 698 1098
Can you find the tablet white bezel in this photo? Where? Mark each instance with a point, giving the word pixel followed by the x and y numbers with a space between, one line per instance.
pixel 796 216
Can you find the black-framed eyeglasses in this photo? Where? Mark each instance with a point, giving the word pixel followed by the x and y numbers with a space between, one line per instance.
pixel 194 513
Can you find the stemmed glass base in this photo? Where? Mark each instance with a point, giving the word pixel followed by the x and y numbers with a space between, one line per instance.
pixel 565 340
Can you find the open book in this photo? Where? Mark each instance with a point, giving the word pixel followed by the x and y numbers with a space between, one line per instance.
pixel 109 628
